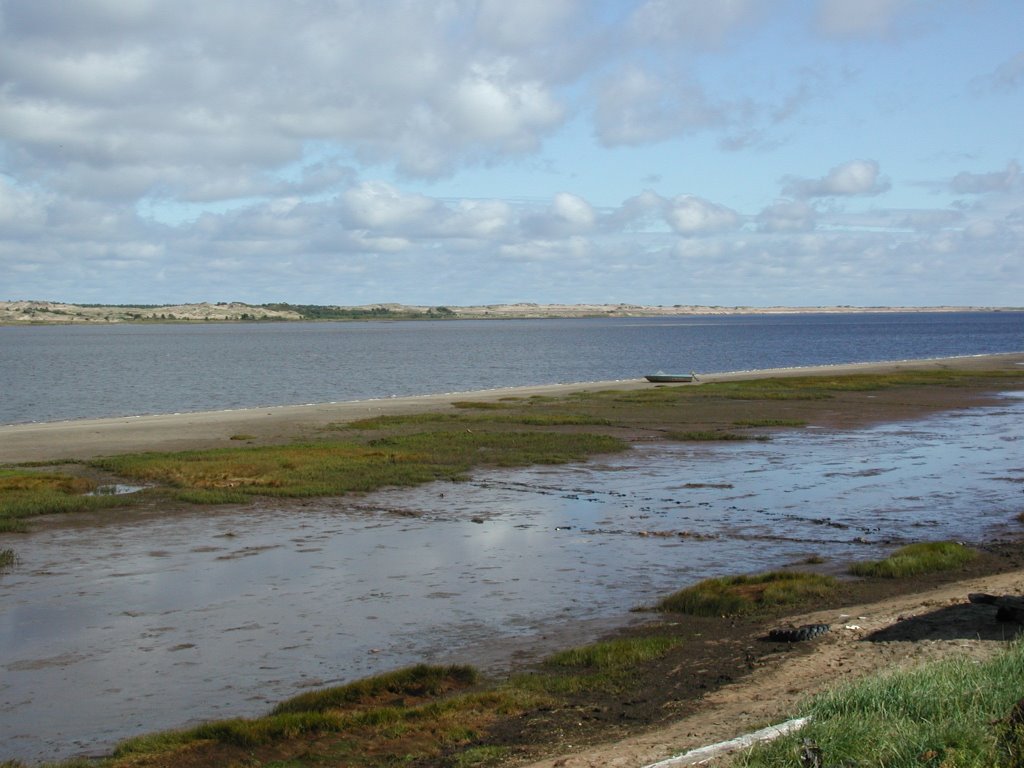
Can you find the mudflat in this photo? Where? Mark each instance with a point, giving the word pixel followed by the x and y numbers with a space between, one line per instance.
pixel 723 679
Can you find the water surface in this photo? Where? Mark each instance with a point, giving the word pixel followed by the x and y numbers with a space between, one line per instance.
pixel 51 373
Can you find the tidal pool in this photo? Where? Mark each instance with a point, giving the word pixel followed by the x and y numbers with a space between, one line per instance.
pixel 115 630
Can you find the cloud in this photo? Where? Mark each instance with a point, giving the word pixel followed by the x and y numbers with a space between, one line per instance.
pixel 568 215
pixel 525 23
pixel 177 94
pixel 634 106
pixel 981 183
pixel 697 22
pixel 787 216
pixel 692 216
pixel 857 177
pixel 863 18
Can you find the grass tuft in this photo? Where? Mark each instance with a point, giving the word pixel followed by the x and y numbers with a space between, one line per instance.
pixel 915 559
pixel 612 655
pixel 770 423
pixel 734 595
pixel 421 680
pixel 711 435
pixel 951 714
pixel 25 494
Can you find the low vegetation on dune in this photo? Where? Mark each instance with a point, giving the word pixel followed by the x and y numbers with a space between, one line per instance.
pixel 914 559
pixel 958 713
pixel 735 595
pixel 25 493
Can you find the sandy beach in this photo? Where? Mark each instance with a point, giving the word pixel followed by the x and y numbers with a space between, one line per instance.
pixel 88 438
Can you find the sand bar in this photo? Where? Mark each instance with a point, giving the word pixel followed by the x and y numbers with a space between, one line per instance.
pixel 88 438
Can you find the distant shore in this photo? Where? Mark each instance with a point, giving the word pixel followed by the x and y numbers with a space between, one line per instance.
pixel 88 438
pixel 51 313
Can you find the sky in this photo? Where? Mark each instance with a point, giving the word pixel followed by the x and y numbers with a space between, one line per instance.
pixel 463 152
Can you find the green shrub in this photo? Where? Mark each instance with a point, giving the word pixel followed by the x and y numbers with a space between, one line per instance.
pixel 950 714
pixel 915 559
pixel 732 595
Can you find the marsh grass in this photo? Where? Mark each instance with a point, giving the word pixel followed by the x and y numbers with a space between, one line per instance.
pixel 735 595
pixel 404 715
pixel 421 680
pixel 333 468
pixel 604 667
pixel 712 435
pixel 770 423
pixel 26 493
pixel 915 559
pixel 8 558
pixel 950 714
pixel 614 655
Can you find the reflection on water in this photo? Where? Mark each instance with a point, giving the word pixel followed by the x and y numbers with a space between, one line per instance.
pixel 108 632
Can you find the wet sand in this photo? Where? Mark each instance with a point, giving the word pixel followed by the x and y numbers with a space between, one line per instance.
pixel 89 438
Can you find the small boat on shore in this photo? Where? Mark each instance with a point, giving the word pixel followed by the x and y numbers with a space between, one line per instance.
pixel 670 378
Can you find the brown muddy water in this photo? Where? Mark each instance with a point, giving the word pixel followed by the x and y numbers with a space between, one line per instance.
pixel 111 631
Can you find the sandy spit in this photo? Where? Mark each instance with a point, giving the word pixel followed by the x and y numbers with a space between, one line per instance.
pixel 89 438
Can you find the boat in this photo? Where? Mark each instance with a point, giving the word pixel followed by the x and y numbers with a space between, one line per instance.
pixel 670 378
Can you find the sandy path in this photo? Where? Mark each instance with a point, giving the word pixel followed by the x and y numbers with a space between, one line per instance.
pixel 88 438
pixel 891 634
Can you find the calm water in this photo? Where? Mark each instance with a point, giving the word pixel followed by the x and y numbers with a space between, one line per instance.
pixel 106 632
pixel 50 373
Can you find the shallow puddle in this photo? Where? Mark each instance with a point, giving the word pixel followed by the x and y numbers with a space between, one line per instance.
pixel 107 632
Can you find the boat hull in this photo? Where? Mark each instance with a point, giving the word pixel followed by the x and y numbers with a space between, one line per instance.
pixel 669 378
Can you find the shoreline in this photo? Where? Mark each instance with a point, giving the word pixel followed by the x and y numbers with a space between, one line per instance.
pixel 89 438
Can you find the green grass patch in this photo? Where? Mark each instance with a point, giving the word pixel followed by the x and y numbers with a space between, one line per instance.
pixel 25 494
pixel 242 436
pixel 605 667
pixel 421 680
pixel 734 595
pixel 949 714
pixel 713 435
pixel 230 475
pixel 770 423
pixel 614 655
pixel 390 719
pixel 915 559
pixel 508 417
pixel 8 558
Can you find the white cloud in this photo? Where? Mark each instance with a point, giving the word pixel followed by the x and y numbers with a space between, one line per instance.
pixel 524 23
pixel 856 177
pixel 980 183
pixel 863 18
pixel 377 205
pixel 691 215
pixel 636 107
pixel 567 215
pixel 21 212
pixel 697 22
pixel 787 216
